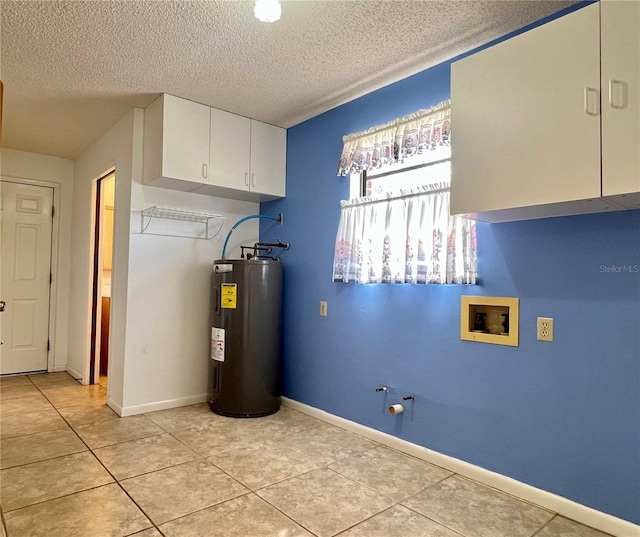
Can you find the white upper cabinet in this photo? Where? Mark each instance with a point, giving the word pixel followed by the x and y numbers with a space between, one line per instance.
pixel 526 119
pixel 247 155
pixel 230 149
pixel 620 34
pixel 268 159
pixel 176 143
pixel 190 146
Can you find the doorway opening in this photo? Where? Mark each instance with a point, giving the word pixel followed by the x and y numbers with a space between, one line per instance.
pixel 102 267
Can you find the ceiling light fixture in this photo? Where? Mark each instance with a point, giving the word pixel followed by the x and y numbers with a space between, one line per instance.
pixel 267 10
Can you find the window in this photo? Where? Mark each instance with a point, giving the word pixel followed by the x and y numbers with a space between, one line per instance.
pixel 395 182
pixel 396 227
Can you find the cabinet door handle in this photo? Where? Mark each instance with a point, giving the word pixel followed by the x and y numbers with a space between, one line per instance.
pixel 618 99
pixel 592 110
pixel 253 179
pixel 204 170
pixel 246 179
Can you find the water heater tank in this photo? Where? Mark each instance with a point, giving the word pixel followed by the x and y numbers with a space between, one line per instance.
pixel 246 337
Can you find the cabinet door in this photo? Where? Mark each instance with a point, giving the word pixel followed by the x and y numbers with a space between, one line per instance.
pixel 521 136
pixel 268 159
pixel 229 150
pixel 185 140
pixel 620 27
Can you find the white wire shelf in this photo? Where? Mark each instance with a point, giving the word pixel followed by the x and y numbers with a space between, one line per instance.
pixel 175 222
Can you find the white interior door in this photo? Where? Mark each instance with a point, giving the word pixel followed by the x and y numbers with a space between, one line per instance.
pixel 26 224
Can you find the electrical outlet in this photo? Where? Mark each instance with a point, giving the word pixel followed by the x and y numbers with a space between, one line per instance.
pixel 545 329
pixel 323 308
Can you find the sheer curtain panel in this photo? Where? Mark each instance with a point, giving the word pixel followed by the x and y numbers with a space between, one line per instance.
pixel 411 239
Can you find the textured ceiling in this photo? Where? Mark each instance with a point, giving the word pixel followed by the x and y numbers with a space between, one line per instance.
pixel 72 68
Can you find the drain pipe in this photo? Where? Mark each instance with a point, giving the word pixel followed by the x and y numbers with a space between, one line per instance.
pixel 226 241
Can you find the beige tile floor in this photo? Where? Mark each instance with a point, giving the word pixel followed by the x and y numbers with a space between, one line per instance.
pixel 71 467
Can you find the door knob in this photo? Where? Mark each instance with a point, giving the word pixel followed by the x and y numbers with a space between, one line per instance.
pixel 2 305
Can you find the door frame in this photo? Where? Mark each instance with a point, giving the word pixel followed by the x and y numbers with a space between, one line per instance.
pixel 53 288
pixel 92 364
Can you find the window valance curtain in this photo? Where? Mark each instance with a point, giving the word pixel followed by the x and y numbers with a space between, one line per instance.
pixel 401 138
pixel 410 239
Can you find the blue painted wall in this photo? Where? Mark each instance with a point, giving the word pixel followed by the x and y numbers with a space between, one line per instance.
pixel 561 416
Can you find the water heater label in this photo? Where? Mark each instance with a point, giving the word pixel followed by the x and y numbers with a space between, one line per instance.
pixel 228 295
pixel 217 344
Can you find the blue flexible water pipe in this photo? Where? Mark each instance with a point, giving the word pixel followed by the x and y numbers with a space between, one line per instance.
pixel 224 248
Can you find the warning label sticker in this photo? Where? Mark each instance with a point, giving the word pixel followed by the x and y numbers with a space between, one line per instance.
pixel 228 295
pixel 217 344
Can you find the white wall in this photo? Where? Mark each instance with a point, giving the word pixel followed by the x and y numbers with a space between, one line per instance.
pixel 168 334
pixel 159 338
pixel 55 172
pixel 114 149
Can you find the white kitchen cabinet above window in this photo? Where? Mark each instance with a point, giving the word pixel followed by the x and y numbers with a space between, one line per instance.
pixel 548 123
pixel 195 148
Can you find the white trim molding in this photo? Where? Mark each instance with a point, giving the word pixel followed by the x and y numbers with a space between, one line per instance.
pixel 547 500
pixel 124 411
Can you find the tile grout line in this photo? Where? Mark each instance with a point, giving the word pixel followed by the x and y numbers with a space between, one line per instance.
pixel 61 456
pixel 537 532
pixel 453 474
pixel 252 491
pixel 433 519
pixel 255 492
pixel 249 490
pixel 494 489
pixel 247 493
pixel 118 482
pixel 115 480
pixel 200 457
pixel 397 503
pixel 285 514
pixel 324 465
pixel 4 524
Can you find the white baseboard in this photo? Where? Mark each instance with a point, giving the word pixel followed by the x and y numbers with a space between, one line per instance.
pixel 75 374
pixel 563 506
pixel 159 405
pixel 114 406
pixel 58 368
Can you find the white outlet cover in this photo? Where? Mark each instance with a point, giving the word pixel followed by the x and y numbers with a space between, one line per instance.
pixel 545 329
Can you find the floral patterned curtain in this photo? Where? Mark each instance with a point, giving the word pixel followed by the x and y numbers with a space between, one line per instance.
pixel 424 130
pixel 410 239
